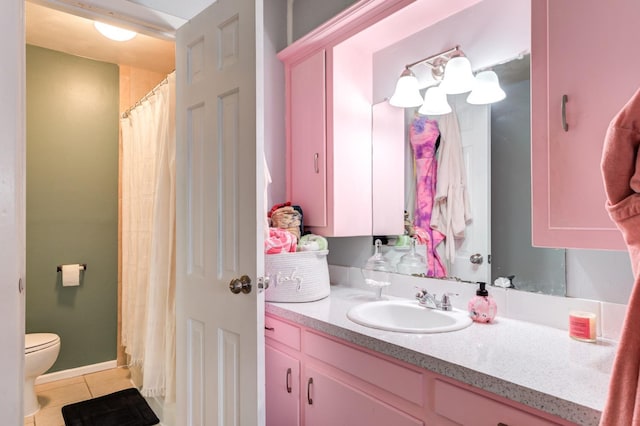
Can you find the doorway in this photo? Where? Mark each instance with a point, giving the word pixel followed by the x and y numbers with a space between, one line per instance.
pixel 140 65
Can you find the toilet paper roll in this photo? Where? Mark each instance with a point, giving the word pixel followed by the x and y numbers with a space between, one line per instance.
pixel 71 275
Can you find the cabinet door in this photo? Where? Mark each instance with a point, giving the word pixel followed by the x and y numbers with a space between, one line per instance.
pixel 283 388
pixel 307 143
pixel 580 48
pixel 329 401
pixel 467 408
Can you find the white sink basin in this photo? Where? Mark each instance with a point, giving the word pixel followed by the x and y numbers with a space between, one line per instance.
pixel 407 316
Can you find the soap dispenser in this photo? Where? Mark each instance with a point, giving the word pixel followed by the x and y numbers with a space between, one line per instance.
pixel 482 307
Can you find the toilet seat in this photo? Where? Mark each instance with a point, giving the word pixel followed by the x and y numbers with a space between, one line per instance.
pixel 34 342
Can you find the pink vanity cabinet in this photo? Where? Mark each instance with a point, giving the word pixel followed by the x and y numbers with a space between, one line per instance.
pixel 582 49
pixel 339 384
pixel 282 372
pixel 316 380
pixel 329 156
pixel 460 405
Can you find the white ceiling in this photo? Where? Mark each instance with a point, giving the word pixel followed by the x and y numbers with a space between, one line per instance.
pixel 124 13
pixel 185 9
pixel 57 30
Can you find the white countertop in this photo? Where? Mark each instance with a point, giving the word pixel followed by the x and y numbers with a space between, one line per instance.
pixel 536 365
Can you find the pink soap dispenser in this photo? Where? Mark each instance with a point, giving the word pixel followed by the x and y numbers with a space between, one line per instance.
pixel 482 307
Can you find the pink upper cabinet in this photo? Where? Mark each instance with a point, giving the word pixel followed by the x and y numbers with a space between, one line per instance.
pixel 329 124
pixel 307 159
pixel 341 174
pixel 582 49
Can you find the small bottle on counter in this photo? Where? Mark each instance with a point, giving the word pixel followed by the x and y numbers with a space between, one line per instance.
pixel 482 307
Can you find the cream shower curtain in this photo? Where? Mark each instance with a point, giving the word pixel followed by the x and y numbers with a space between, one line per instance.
pixel 148 239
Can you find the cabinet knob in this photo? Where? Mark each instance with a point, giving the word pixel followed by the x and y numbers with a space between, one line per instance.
pixel 315 162
pixel 288 380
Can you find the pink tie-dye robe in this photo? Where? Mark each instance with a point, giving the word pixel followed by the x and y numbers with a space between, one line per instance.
pixel 423 135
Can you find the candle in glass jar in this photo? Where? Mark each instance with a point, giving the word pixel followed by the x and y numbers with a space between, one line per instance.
pixel 582 326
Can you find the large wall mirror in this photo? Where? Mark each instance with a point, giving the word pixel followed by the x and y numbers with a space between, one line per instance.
pixel 535 269
pixel 493 34
pixel 500 193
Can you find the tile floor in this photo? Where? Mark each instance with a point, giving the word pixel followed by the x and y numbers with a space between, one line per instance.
pixel 54 395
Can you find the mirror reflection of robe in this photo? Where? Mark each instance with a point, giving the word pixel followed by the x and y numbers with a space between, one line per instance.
pixel 424 135
pixel 451 210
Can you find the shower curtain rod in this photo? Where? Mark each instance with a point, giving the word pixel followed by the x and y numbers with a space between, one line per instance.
pixel 147 96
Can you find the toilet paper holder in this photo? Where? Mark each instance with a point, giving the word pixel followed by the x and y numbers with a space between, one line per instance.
pixel 83 267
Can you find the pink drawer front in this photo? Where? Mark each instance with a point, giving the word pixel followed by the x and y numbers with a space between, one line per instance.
pixel 468 408
pixel 282 332
pixel 394 378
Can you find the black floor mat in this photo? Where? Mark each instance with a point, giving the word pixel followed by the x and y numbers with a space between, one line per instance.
pixel 123 408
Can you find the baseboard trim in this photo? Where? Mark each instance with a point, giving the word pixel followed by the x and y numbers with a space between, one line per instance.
pixel 75 372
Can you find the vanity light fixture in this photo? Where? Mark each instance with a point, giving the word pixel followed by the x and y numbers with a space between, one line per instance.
pixel 113 33
pixel 407 93
pixel 435 102
pixel 452 70
pixel 487 89
pixel 458 77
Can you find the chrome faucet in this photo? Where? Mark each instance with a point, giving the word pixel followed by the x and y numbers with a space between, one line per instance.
pixel 431 301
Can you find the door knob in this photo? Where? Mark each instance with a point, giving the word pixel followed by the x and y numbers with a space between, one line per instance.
pixel 242 284
pixel 476 259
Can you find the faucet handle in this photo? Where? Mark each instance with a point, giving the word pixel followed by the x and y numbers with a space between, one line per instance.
pixel 445 302
pixel 420 291
pixel 423 297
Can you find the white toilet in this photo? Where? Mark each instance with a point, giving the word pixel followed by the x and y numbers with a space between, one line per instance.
pixel 40 352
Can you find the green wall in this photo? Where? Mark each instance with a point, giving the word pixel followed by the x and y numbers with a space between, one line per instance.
pixel 72 203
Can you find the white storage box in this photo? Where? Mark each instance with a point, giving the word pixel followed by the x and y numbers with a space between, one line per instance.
pixel 297 277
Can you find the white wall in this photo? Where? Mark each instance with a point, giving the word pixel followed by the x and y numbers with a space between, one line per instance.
pixel 309 14
pixel 599 275
pixel 275 139
pixel 12 210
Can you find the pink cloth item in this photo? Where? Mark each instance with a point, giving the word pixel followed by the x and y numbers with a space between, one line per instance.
pixel 621 173
pixel 421 236
pixel 424 134
pixel 280 241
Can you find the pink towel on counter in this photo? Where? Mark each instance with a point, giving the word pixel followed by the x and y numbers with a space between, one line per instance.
pixel 280 241
pixel 621 173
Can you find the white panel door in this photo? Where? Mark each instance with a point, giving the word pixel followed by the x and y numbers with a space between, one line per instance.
pixel 12 212
pixel 475 132
pixel 220 182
